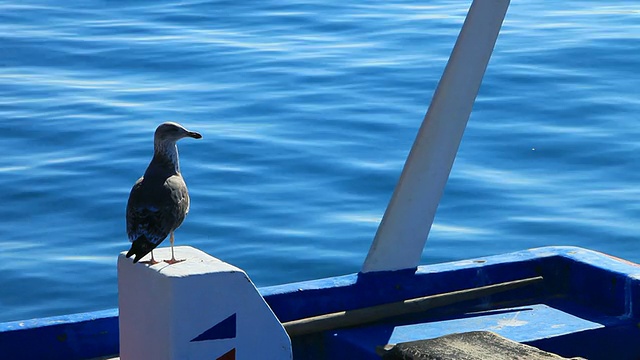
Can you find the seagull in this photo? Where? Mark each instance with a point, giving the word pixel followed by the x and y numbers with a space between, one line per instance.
pixel 159 200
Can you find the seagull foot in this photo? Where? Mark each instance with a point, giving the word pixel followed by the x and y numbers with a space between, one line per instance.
pixel 173 261
pixel 150 262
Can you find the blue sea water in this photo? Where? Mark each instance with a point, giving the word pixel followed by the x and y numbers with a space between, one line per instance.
pixel 308 110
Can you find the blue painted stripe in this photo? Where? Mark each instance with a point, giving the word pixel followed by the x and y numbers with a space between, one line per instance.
pixel 69 337
pixel 225 329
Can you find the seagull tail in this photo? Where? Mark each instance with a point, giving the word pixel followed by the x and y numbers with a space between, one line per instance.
pixel 140 247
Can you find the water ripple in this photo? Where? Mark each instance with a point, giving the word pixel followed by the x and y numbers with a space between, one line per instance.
pixel 308 111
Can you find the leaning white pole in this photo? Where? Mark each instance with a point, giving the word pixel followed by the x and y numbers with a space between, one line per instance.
pixel 406 223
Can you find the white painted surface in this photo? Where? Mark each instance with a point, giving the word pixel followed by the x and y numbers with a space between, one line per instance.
pixel 402 234
pixel 164 307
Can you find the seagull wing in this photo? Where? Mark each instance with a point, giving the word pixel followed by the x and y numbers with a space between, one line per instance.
pixel 156 207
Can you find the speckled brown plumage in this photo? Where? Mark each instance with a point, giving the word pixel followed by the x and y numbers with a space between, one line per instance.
pixel 159 200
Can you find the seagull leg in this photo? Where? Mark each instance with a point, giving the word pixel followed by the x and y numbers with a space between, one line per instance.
pixel 173 258
pixel 150 262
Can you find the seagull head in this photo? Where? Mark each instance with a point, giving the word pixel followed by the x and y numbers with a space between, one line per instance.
pixel 171 132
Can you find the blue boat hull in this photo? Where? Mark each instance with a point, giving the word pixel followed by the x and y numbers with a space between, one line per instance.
pixel 587 305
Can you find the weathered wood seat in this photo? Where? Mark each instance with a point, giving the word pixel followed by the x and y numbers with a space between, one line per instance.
pixel 475 345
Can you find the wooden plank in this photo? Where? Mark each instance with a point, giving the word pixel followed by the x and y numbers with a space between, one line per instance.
pixel 371 314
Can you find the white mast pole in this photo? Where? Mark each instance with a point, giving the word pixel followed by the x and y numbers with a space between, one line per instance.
pixel 401 236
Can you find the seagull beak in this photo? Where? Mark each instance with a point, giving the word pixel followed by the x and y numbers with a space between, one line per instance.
pixel 194 134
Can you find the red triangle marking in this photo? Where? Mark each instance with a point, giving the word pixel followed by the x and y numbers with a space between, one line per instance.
pixel 229 355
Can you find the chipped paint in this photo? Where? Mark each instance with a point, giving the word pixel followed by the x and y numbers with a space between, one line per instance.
pixel 513 322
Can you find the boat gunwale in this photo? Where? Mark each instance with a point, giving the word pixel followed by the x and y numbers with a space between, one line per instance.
pixel 587 277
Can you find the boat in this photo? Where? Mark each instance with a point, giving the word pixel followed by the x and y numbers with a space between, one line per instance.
pixel 569 301
pixel 587 305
